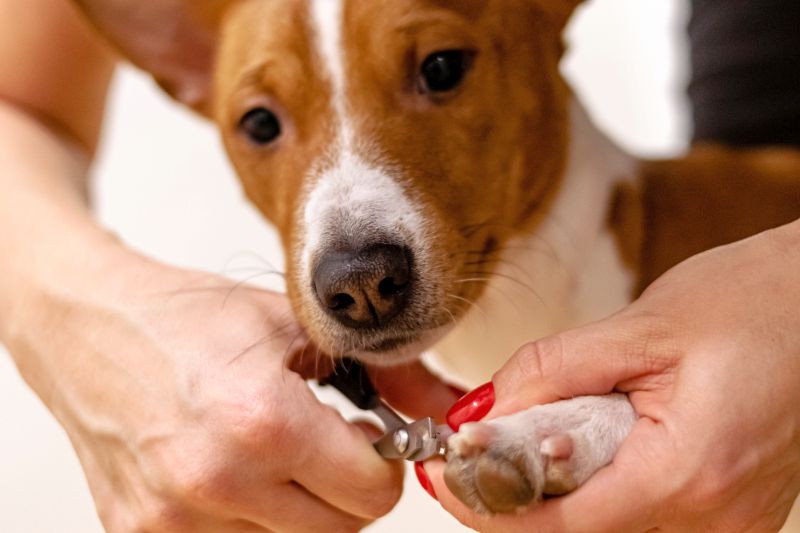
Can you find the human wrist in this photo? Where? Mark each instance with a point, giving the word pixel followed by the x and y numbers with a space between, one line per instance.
pixel 78 263
pixel 68 312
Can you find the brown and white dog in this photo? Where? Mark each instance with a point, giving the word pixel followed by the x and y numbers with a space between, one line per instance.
pixel 437 186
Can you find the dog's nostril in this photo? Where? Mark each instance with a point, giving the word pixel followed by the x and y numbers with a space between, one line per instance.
pixel 365 288
pixel 389 287
pixel 340 301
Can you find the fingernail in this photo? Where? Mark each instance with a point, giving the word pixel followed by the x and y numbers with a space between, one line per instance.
pixel 424 480
pixel 472 406
pixel 458 391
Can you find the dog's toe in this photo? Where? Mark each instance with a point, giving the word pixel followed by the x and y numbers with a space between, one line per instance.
pixel 485 473
pixel 559 473
pixel 505 464
pixel 502 484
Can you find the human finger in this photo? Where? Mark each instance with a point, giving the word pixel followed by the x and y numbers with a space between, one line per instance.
pixel 291 507
pixel 339 465
pixel 591 360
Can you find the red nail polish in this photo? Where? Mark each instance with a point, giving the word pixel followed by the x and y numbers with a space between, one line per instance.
pixel 422 477
pixel 472 407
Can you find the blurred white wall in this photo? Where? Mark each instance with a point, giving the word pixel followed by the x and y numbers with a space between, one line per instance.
pixel 163 184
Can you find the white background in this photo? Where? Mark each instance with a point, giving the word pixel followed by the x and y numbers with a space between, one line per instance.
pixel 164 185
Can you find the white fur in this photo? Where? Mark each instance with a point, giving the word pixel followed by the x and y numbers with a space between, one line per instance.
pixel 347 196
pixel 594 425
pixel 327 17
pixel 353 197
pixel 567 273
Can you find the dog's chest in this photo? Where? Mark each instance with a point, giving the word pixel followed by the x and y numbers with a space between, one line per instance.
pixel 567 272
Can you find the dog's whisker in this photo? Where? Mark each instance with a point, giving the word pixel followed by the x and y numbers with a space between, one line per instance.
pixel 472 280
pixel 284 315
pixel 522 284
pixel 252 255
pixel 511 264
pixel 248 349
pixel 471 304
pixel 491 286
pixel 229 271
pixel 263 340
pixel 241 283
pixel 198 284
pixel 449 312
pixel 316 362
pixel 499 253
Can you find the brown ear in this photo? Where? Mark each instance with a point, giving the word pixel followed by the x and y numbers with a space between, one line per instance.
pixel 174 40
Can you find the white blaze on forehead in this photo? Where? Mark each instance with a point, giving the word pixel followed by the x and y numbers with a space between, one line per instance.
pixel 353 199
pixel 348 197
pixel 328 19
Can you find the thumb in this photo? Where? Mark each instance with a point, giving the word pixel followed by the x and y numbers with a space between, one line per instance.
pixel 592 360
pixel 415 390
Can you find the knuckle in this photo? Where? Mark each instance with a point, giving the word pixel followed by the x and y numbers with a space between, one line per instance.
pixel 650 340
pixel 378 494
pixel 204 478
pixel 711 490
pixel 158 515
pixel 539 359
pixel 384 501
pixel 256 421
pixel 349 524
pixel 205 484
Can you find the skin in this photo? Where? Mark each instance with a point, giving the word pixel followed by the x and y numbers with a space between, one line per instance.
pixel 173 388
pixel 710 358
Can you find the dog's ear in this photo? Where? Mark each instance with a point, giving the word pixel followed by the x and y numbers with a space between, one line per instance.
pixel 174 40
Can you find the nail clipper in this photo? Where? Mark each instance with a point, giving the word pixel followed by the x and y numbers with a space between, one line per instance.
pixel 413 441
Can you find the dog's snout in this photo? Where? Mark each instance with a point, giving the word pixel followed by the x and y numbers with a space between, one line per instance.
pixel 364 288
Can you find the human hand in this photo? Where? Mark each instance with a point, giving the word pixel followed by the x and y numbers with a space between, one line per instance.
pixel 174 389
pixel 710 358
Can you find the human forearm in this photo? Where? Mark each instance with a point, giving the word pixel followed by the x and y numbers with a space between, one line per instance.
pixel 50 243
pixel 54 75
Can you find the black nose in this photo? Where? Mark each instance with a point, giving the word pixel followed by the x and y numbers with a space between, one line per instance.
pixel 365 288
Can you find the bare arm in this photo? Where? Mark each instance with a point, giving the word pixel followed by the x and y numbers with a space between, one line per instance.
pixel 172 386
pixel 53 82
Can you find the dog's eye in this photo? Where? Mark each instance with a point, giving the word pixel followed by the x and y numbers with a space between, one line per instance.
pixel 261 125
pixel 442 71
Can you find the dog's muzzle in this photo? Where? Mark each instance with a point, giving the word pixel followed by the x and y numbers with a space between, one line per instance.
pixel 364 288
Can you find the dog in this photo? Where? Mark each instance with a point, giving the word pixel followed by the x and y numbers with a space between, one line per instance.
pixel 437 186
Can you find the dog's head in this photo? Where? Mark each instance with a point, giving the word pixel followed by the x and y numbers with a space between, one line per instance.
pixel 396 144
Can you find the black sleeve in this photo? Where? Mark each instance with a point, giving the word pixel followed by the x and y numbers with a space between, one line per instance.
pixel 745 84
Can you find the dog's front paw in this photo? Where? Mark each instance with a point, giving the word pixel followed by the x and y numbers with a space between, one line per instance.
pixel 505 464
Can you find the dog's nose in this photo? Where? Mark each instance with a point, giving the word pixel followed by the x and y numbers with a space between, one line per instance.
pixel 365 288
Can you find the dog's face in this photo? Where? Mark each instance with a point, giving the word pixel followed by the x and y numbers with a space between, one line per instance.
pixel 397 145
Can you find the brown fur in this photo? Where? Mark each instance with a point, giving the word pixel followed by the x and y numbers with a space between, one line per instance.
pixel 713 196
pixel 485 162
pixel 625 219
